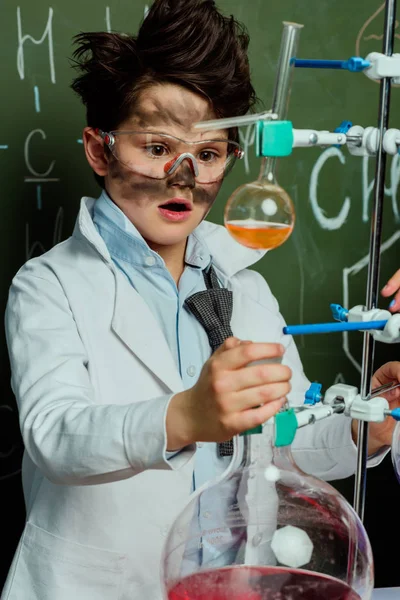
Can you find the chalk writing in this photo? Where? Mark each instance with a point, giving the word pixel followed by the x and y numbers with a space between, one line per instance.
pixel 48 33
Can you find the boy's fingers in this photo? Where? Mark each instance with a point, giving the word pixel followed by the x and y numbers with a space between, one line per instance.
pixel 263 394
pixel 253 376
pixel 257 416
pixel 243 354
pixel 392 285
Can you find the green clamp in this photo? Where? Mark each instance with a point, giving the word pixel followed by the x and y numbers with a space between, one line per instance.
pixel 257 429
pixel 285 427
pixel 274 138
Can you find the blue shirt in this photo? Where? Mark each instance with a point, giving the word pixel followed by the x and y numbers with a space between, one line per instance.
pixel 147 273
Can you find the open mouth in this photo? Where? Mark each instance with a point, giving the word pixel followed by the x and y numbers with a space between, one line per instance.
pixel 176 207
pixel 176 210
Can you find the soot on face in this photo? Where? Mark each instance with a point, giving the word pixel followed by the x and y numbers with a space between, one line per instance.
pixel 141 189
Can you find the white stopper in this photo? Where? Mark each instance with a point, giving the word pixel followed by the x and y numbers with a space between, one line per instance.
pixel 292 546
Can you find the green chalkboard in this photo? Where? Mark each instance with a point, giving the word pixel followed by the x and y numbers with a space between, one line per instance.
pixel 43 171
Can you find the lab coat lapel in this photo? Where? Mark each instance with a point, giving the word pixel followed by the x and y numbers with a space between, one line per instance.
pixel 136 326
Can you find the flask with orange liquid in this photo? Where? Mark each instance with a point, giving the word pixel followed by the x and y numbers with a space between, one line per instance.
pixel 261 214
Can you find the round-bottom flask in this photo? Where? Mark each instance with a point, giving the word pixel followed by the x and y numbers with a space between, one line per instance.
pixel 267 531
pixel 260 214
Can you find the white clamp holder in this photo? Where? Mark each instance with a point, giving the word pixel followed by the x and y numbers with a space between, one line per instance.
pixel 383 66
pixel 346 393
pixel 359 314
pixel 304 138
pixel 373 410
pixel 309 415
pixel 390 334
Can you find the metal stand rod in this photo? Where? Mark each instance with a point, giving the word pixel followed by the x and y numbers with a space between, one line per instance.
pixel 374 260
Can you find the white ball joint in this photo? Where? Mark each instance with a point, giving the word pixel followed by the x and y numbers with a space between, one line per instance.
pixel 391 141
pixel 368 140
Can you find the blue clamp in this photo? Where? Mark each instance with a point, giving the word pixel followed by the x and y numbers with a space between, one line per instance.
pixel 339 313
pixel 395 413
pixel 343 128
pixel 313 394
pixel 355 64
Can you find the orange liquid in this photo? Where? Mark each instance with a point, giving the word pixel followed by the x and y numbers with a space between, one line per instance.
pixel 258 235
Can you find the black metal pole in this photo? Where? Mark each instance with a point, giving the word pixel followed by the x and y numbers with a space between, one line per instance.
pixel 374 258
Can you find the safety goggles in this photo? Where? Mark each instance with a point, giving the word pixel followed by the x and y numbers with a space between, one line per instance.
pixel 159 155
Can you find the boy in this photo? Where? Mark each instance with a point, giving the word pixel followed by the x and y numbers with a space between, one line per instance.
pixel 123 405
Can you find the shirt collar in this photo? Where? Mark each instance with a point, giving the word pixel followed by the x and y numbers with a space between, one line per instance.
pixel 228 256
pixel 124 240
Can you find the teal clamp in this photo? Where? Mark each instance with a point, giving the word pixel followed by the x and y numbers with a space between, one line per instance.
pixel 285 428
pixel 257 429
pixel 274 138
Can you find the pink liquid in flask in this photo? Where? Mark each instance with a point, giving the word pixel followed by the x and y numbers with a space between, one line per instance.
pixel 260 583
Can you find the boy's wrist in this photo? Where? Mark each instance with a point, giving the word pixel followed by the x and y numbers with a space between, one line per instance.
pixel 178 423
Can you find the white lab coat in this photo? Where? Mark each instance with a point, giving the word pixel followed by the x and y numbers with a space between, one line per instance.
pixel 93 377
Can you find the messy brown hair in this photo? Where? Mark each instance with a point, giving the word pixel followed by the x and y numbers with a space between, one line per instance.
pixel 186 42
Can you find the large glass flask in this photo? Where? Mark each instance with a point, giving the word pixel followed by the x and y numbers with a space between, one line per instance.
pixel 267 531
pixel 261 214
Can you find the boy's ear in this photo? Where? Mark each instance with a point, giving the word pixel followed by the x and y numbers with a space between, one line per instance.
pixel 94 150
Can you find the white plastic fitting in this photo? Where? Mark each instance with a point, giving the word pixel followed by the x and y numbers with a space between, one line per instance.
pixel 373 410
pixel 355 407
pixel 342 390
pixel 369 137
pixel 391 141
pixel 304 138
pixel 383 66
pixel 311 414
pixel 391 333
pixel 358 132
pixel 359 314
pixel 370 141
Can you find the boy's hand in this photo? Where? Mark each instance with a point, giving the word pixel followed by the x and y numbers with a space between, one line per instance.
pixel 393 287
pixel 380 434
pixel 230 396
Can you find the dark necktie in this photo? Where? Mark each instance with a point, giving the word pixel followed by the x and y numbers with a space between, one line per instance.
pixel 213 309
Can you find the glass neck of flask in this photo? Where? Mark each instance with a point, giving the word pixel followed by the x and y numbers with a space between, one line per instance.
pixel 260 450
pixel 268 170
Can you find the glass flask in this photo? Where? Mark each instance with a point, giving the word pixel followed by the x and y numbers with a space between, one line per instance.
pixel 261 214
pixel 267 531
